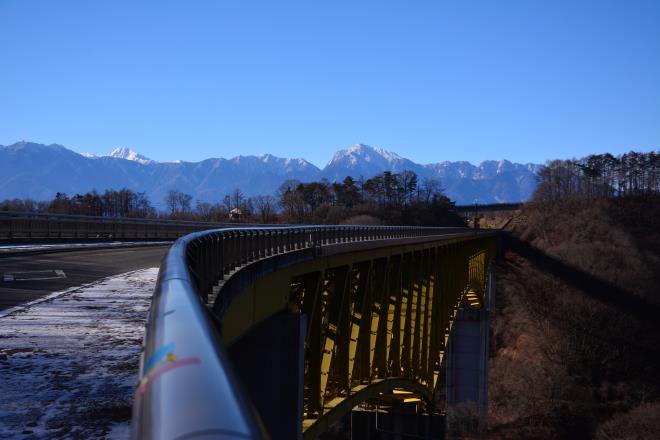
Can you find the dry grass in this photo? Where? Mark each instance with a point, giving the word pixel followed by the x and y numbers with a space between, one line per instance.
pixel 565 363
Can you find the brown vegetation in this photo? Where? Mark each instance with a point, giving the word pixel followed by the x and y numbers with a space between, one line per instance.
pixel 576 345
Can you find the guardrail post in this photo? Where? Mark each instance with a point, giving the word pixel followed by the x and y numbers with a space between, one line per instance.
pixel 201 269
pixel 261 245
pixel 215 260
pixel 249 246
pixel 254 239
pixel 275 237
pixel 268 243
pixel 240 245
pixel 222 238
pixel 226 253
pixel 235 250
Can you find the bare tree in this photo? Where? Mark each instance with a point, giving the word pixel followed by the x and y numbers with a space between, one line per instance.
pixel 185 201
pixel 172 201
pixel 265 206
pixel 428 189
pixel 178 202
pixel 237 198
pixel 227 202
pixel 204 210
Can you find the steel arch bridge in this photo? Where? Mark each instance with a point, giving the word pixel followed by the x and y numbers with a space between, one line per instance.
pixel 374 307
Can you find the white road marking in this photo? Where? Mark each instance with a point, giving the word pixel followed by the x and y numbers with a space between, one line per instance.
pixel 34 275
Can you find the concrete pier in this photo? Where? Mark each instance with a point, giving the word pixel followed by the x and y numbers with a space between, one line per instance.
pixel 467 363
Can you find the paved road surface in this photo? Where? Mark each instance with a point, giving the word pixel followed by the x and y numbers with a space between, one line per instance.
pixel 29 277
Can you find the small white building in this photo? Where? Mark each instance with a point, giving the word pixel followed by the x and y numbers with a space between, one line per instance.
pixel 235 214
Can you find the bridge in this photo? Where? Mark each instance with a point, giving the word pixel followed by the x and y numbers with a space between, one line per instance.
pixel 280 331
pixel 488 207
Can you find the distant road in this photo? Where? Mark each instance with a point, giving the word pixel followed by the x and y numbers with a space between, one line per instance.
pixel 29 277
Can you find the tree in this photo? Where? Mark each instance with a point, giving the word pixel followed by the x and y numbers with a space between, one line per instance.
pixel 60 205
pixel 184 202
pixel 237 199
pixel 291 200
pixel 172 201
pixel 178 202
pixel 429 189
pixel 204 210
pixel 599 176
pixel 407 186
pixel 350 193
pixel 265 207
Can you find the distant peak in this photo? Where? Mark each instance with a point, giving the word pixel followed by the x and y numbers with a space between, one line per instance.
pixel 365 152
pixel 128 154
pixel 359 147
pixel 32 145
pixel 268 158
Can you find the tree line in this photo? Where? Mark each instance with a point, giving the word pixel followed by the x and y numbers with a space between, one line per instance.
pixel 112 203
pixel 388 198
pixel 600 176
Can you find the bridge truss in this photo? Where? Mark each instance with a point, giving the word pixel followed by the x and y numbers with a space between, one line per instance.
pixel 378 302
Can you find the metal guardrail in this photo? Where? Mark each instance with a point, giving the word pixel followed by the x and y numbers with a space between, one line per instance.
pixel 187 388
pixel 16 226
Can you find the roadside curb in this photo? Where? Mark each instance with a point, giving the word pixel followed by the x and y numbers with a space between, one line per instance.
pixel 21 253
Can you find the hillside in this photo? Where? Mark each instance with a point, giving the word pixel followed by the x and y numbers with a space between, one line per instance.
pixel 576 346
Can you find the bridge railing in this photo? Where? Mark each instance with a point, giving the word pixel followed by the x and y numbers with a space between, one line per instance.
pixel 16 226
pixel 186 384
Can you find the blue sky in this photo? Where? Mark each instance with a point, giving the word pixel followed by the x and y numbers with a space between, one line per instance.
pixel 436 80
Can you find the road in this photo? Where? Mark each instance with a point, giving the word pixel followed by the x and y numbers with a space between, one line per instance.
pixel 29 277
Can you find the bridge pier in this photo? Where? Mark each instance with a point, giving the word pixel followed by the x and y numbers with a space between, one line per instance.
pixel 395 424
pixel 467 366
pixel 269 360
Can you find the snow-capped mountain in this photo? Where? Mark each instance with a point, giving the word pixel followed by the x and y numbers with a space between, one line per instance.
pixel 128 154
pixel 363 160
pixel 489 182
pixel 39 171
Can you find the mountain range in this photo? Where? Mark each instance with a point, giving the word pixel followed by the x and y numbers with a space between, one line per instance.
pixel 37 171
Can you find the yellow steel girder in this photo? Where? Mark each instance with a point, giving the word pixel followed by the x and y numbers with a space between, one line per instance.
pixel 376 316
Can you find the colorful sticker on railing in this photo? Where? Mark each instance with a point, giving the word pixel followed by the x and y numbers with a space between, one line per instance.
pixel 159 363
pixel 157 357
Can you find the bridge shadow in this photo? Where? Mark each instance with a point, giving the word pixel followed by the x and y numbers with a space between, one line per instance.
pixel 595 287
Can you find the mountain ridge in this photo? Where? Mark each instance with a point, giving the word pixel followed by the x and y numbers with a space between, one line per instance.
pixel 38 171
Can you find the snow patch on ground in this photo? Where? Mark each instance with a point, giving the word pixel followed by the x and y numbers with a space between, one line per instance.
pixel 68 365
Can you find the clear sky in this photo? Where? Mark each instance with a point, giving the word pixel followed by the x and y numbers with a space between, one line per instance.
pixel 431 80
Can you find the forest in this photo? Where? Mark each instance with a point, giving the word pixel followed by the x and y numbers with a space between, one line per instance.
pixel 388 198
pixel 600 176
